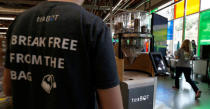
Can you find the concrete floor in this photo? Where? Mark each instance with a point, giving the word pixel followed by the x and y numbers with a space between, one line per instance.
pixel 168 98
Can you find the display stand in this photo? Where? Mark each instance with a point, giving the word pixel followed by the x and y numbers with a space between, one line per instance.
pixel 138 81
pixel 134 59
pixel 132 43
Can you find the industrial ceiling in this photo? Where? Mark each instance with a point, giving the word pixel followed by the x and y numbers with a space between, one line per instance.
pixel 102 8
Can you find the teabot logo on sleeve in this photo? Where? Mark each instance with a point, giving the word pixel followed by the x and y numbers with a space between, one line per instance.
pixel 48 83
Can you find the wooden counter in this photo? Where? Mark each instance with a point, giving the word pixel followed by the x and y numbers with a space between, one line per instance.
pixel 142 63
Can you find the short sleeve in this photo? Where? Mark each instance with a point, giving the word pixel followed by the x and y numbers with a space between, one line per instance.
pixel 104 64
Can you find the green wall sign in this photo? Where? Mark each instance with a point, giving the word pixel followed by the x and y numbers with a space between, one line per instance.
pixel 204 31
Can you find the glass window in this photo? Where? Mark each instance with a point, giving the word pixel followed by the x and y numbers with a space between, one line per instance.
pixel 167 12
pixel 191 27
pixel 205 4
pixel 178 33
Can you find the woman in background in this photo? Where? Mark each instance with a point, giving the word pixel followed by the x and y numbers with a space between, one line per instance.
pixel 184 55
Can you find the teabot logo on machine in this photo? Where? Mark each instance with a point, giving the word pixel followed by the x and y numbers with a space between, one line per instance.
pixel 48 83
pixel 140 99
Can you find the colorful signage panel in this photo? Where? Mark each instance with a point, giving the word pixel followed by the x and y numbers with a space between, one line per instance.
pixel 160 33
pixel 170 30
pixel 205 4
pixel 191 27
pixel 179 9
pixel 204 31
pixel 193 6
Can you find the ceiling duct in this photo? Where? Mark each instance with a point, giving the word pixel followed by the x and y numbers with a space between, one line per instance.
pixel 117 7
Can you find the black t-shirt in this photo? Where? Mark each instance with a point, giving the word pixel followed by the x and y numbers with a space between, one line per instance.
pixel 59 54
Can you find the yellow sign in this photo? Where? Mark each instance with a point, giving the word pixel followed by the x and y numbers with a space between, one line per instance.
pixel 179 9
pixel 193 6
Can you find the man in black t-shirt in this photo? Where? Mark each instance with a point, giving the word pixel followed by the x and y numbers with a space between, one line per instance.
pixel 59 56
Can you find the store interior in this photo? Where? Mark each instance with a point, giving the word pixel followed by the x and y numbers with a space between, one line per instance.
pixel 145 34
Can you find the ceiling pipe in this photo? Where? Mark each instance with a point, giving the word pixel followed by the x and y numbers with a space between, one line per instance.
pixel 141 4
pixel 114 12
pixel 128 4
pixel 123 5
pixel 115 7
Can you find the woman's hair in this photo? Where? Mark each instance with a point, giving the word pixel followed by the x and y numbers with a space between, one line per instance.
pixel 186 45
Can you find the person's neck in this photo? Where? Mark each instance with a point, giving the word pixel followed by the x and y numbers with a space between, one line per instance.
pixel 72 1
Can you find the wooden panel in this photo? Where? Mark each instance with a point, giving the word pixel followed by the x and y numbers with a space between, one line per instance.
pixel 120 67
pixel 142 63
pixel 133 75
pixel 116 50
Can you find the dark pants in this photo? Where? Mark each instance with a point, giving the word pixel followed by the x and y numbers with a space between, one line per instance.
pixel 187 73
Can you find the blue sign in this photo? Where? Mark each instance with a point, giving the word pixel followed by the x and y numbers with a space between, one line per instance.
pixel 170 30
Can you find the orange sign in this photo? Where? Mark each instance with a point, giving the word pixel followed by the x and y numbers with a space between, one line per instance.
pixel 193 6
